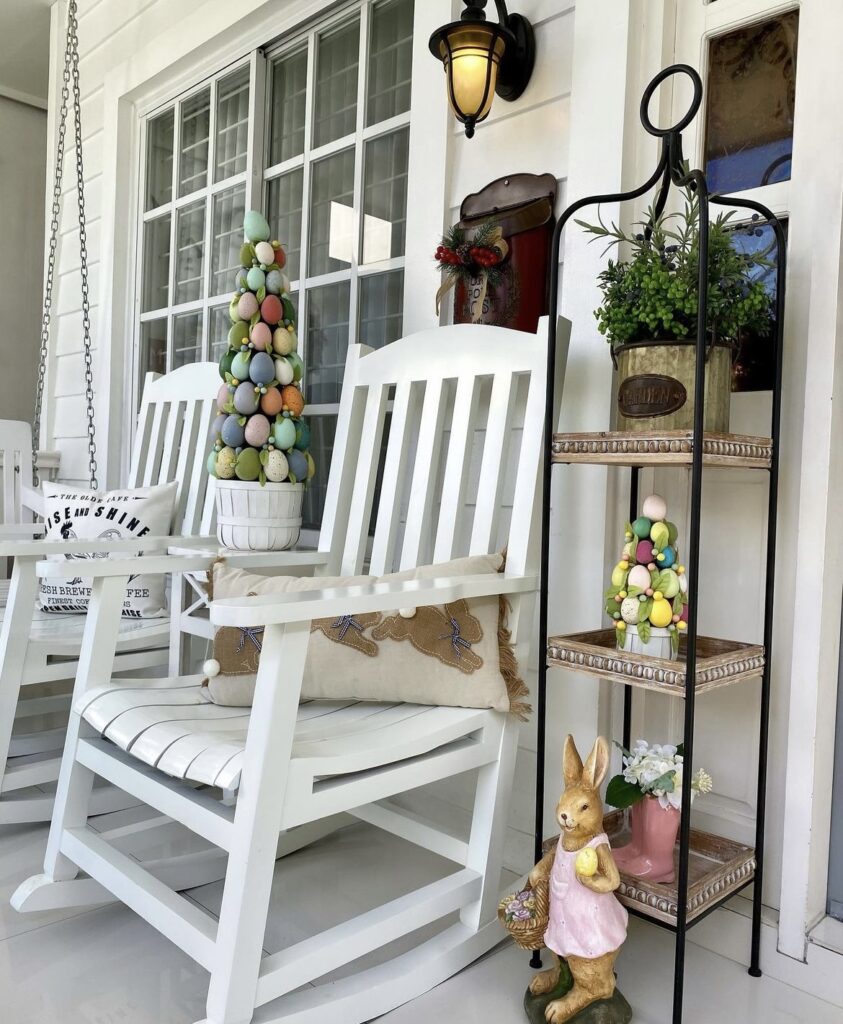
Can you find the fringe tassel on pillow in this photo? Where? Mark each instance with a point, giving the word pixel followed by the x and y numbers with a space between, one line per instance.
pixel 515 685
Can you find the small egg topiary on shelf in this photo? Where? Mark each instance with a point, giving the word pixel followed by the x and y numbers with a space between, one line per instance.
pixel 259 433
pixel 647 600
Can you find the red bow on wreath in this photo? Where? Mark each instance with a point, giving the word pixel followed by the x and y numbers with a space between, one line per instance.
pixel 465 259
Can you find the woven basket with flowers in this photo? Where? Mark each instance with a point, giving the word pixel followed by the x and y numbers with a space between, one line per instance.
pixel 524 915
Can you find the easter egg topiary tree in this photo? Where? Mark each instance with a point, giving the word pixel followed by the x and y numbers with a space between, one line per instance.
pixel 649 587
pixel 259 433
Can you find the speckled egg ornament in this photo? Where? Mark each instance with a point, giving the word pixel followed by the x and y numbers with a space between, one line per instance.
pixel 283 341
pixel 247 306
pixel 272 402
pixel 274 282
pixel 261 368
pixel 283 371
pixel 246 399
pixel 257 430
pixel 261 337
pixel 264 253
pixel 276 467
pixel 226 459
pixel 271 309
pixel 255 279
pixel 293 400
pixel 233 432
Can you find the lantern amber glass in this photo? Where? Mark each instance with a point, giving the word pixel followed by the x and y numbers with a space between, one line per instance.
pixel 472 55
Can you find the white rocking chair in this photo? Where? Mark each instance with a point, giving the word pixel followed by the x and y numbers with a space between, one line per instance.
pixel 37 647
pixel 290 773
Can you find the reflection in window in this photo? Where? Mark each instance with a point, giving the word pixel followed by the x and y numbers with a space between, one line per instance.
pixel 754 366
pixel 749 116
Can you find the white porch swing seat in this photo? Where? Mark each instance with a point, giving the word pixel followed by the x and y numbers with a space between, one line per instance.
pixel 295 772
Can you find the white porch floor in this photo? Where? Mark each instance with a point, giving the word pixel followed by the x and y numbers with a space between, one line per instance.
pixel 106 966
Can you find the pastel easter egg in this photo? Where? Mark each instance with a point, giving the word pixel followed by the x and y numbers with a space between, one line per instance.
pixel 283 371
pixel 272 402
pixel 668 557
pixel 247 306
pixel 586 862
pixel 255 226
pixel 659 535
pixel 274 282
pixel 261 337
pixel 226 460
pixel 238 335
pixel 283 341
pixel 248 466
pixel 211 463
pixel 654 508
pixel 683 615
pixel 298 366
pixel 216 426
pixel 311 466
pixel 246 399
pixel 255 279
pixel 284 433
pixel 639 576
pixel 225 363
pixel 619 574
pixel 298 465
pixel 629 550
pixel 257 430
pixel 240 365
pixel 232 432
pixel 233 309
pixel 276 467
pixel 302 436
pixel 293 400
pixel 644 552
pixel 629 609
pixel 641 527
pixel 669 583
pixel 271 309
pixel 280 256
pixel 247 254
pixel 261 368
pixel 661 614
pixel 241 280
pixel 264 253
pixel 683 583
pixel 223 396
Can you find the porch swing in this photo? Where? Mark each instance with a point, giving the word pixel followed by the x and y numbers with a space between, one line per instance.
pixel 36 647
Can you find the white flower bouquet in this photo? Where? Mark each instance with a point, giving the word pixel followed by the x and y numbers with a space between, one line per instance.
pixel 655 771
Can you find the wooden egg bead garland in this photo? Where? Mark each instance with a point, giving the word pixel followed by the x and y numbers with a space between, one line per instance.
pixel 647 599
pixel 259 433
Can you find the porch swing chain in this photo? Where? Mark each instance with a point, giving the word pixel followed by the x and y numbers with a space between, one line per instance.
pixel 70 75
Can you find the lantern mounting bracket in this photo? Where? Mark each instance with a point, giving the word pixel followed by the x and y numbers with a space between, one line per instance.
pixel 519 60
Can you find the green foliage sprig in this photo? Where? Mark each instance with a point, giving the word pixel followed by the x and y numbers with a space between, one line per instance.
pixel 653 294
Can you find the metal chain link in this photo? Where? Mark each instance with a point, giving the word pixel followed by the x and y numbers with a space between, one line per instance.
pixel 70 75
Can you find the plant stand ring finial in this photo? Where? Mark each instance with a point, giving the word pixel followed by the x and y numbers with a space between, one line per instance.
pixel 662 76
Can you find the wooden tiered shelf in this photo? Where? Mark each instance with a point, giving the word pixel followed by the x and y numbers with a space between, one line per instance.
pixel 661 448
pixel 719 662
pixel 718 869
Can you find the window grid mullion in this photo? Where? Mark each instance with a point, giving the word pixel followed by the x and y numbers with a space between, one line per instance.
pixel 209 216
pixel 357 201
pixel 258 130
pixel 171 286
pixel 304 257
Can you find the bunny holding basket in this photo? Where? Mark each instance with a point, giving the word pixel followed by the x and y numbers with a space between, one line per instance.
pixel 576 881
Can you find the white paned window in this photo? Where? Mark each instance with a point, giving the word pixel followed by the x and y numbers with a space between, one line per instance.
pixel 329 168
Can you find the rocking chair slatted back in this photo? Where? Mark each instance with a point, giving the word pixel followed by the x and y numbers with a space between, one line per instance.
pixel 172 440
pixel 16 453
pixel 433 504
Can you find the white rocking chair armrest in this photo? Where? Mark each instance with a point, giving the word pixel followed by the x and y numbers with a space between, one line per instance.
pixel 303 606
pixel 19 532
pixel 251 559
pixel 128 546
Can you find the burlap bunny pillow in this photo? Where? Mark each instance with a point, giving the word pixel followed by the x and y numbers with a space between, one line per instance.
pixel 456 654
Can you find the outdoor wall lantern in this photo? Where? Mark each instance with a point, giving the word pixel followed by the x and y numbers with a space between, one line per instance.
pixel 482 58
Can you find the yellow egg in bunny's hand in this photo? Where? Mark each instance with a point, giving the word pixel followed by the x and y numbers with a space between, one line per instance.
pixel 586 862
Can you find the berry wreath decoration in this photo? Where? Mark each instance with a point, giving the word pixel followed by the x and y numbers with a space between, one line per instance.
pixel 469 256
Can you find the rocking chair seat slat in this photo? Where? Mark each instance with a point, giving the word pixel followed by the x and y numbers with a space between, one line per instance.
pixel 175 729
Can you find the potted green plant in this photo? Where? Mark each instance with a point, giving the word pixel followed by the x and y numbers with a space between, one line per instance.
pixel 650 308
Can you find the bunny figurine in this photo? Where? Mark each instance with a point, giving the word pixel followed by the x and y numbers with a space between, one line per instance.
pixel 587 925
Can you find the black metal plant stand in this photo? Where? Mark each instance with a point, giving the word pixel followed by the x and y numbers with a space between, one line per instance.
pixel 669 170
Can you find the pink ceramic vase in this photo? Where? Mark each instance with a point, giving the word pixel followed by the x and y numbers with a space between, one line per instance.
pixel 650 853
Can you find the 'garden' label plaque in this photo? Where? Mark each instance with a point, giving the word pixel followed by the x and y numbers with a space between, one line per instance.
pixel 650 394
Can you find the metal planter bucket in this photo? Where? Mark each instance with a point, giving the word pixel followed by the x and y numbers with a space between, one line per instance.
pixel 658 646
pixel 656 385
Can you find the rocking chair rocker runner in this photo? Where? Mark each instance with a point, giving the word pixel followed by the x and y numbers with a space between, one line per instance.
pixel 290 774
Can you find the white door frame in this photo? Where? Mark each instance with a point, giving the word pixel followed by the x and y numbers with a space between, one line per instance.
pixel 805 657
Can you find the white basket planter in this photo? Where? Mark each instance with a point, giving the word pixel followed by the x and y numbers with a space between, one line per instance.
pixel 657 647
pixel 251 517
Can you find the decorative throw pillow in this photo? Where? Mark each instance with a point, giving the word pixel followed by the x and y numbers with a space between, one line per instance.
pixel 457 654
pixel 73 513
